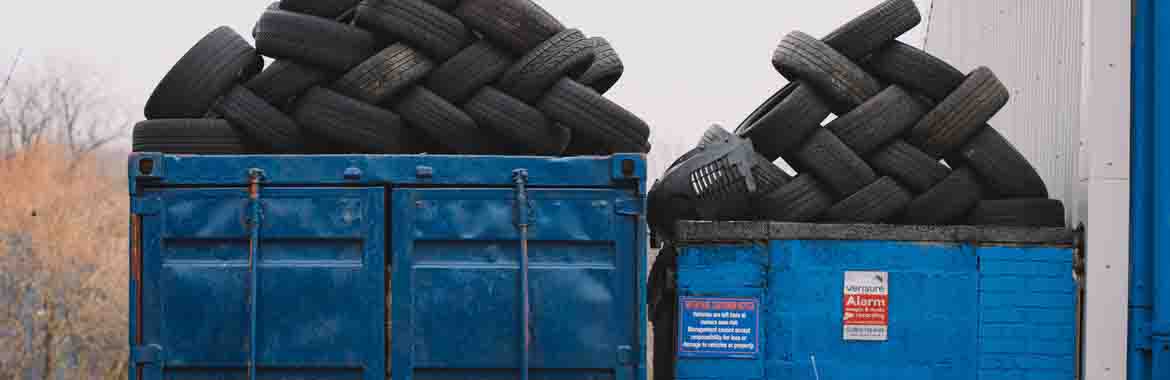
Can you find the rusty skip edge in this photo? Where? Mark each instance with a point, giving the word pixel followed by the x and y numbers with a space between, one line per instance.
pixel 733 232
pixel 136 275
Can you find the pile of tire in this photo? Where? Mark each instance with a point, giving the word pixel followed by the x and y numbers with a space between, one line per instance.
pixel 910 143
pixel 497 77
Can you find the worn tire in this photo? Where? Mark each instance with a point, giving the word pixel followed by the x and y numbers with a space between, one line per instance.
pixel 838 167
pixel 874 28
pixel 567 54
pixel 768 176
pixel 607 67
pixel 319 8
pixel 961 115
pixel 784 120
pixel 359 126
pixel 879 120
pixel 588 113
pixel 384 75
pixel 261 122
pixel 879 202
pixel 1019 213
pixel 417 23
pixel 909 166
pixel 469 71
pixel 209 69
pixel 313 40
pixel 1005 171
pixel 516 25
pixel 518 123
pixel 844 84
pixel 284 80
pixel 801 200
pixel 946 202
pixel 444 123
pixel 188 136
pixel 915 70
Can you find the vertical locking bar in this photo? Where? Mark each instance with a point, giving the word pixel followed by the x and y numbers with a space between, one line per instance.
pixel 520 180
pixel 255 177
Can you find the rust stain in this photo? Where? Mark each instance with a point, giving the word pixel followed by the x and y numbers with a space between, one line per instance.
pixel 136 273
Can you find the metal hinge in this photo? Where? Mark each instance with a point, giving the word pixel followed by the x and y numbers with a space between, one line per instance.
pixel 625 355
pixel 150 354
pixel 628 207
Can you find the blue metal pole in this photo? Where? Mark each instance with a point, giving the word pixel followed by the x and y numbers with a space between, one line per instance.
pixel 520 177
pixel 255 176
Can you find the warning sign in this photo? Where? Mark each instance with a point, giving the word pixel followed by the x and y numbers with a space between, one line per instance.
pixel 867 306
pixel 719 327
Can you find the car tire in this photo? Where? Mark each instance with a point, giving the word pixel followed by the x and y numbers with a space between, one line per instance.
pixel 416 23
pixel 874 28
pixel 607 67
pixel 516 25
pixel 188 136
pixel 261 122
pixel 516 122
pixel 878 121
pixel 1007 173
pixel 909 166
pixel 209 69
pixel 586 112
pixel 283 80
pixel 962 115
pixel 444 123
pixel 916 70
pixel 842 82
pixel 784 120
pixel 1019 213
pixel 839 168
pixel 360 127
pixel 313 40
pixel 320 8
pixel 947 202
pixel 801 200
pixel 384 75
pixel 466 73
pixel 567 54
pixel 879 202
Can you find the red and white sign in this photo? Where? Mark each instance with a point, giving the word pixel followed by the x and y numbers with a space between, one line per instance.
pixel 867 306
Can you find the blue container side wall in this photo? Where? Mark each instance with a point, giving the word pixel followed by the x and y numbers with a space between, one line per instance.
pixel 1150 180
pixel 956 311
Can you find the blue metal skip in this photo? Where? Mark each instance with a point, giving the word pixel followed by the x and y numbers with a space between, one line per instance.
pixel 281 267
pixel 1149 312
pixel 963 302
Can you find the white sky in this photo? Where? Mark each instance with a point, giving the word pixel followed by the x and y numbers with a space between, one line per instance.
pixel 688 63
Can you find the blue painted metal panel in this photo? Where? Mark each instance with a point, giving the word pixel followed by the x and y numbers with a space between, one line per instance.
pixel 319 300
pixel 456 284
pixel 957 310
pixel 569 172
pixel 321 251
pixel 1149 312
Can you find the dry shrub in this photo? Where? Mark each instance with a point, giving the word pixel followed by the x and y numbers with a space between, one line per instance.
pixel 69 309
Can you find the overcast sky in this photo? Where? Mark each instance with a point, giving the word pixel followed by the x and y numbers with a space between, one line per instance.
pixel 688 63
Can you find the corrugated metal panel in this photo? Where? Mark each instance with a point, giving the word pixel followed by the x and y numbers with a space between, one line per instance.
pixel 1035 48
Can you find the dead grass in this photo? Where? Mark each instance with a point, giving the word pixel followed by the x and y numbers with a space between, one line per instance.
pixel 75 220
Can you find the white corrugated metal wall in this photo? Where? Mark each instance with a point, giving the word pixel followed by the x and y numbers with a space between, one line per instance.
pixel 1034 46
pixel 1067 63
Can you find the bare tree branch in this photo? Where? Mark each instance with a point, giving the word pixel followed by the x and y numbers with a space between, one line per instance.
pixel 8 79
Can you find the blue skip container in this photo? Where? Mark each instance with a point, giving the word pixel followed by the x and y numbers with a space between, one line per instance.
pixel 380 267
pixel 796 301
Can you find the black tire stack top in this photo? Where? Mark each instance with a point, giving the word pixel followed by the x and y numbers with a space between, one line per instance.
pixel 910 144
pixel 497 77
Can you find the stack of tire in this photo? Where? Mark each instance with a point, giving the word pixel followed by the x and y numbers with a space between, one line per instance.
pixel 910 142
pixel 394 77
